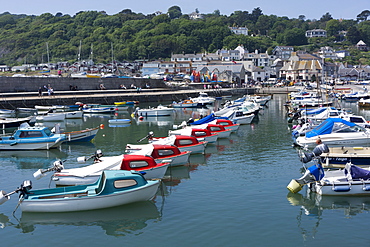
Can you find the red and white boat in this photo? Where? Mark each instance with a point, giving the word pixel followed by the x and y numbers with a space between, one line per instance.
pixel 90 174
pixel 161 153
pixel 228 124
pixel 200 134
pixel 184 143
pixel 215 129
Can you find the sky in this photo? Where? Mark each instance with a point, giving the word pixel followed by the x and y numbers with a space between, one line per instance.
pixel 311 9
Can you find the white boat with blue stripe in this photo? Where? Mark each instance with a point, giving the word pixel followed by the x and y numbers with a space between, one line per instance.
pixel 32 138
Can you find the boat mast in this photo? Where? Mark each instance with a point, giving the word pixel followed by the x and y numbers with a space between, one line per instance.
pixel 91 53
pixel 79 56
pixel 47 51
pixel 111 44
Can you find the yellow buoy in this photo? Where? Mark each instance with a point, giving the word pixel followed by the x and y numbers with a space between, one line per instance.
pixel 294 186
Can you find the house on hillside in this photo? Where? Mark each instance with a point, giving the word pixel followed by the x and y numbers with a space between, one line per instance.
pixel 327 52
pixel 259 59
pixel 361 46
pixel 5 68
pixel 239 30
pixel 315 33
pixel 342 54
pixel 283 52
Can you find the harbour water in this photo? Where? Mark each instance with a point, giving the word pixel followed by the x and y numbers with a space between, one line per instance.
pixel 234 195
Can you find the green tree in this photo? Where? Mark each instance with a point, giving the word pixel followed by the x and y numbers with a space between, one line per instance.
pixel 353 35
pixel 174 12
pixel 326 17
pixel 333 27
pixel 363 15
pixel 295 37
pixel 364 29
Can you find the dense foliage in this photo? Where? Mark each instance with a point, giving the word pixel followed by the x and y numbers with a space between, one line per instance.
pixel 131 36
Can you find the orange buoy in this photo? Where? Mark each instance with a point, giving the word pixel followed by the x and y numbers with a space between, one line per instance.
pixel 141 118
pixel 101 126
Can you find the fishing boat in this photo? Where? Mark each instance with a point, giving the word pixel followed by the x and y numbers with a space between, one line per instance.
pixel 203 99
pixel 7 112
pixel 119 121
pixel 27 110
pixel 212 119
pixel 51 117
pixel 200 134
pixel 31 138
pixel 356 95
pixel 336 131
pixel 85 135
pixel 113 188
pixel 350 181
pixel 184 143
pixel 90 173
pixel 238 116
pixel 15 122
pixel 188 103
pixel 45 108
pixel 99 110
pixel 259 99
pixel 214 129
pixel 154 112
pixel 125 103
pixel 160 153
pixel 364 103
pixel 338 157
pixel 226 123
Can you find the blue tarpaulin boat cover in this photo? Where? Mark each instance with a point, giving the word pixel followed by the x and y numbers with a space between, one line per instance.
pixel 318 111
pixel 204 120
pixel 326 127
pixel 358 173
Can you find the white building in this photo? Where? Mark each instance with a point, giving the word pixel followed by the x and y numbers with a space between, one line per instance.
pixel 239 30
pixel 315 33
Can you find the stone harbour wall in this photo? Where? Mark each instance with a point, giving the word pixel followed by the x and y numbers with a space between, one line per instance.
pixel 31 84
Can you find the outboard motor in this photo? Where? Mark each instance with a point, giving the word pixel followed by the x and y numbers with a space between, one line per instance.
pixel 26 186
pixel 57 166
pixel 317 151
pixel 312 174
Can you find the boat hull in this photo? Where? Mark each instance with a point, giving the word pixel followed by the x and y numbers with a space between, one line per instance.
pixel 17 145
pixel 51 117
pixel 14 122
pixel 81 135
pixel 354 188
pixel 177 160
pixel 91 202
pixel 195 148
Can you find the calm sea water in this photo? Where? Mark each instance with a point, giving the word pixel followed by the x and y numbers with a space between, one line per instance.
pixel 234 195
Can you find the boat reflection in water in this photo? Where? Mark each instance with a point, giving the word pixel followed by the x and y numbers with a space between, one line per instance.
pixel 315 204
pixel 159 121
pixel 312 206
pixel 117 221
pixel 32 159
